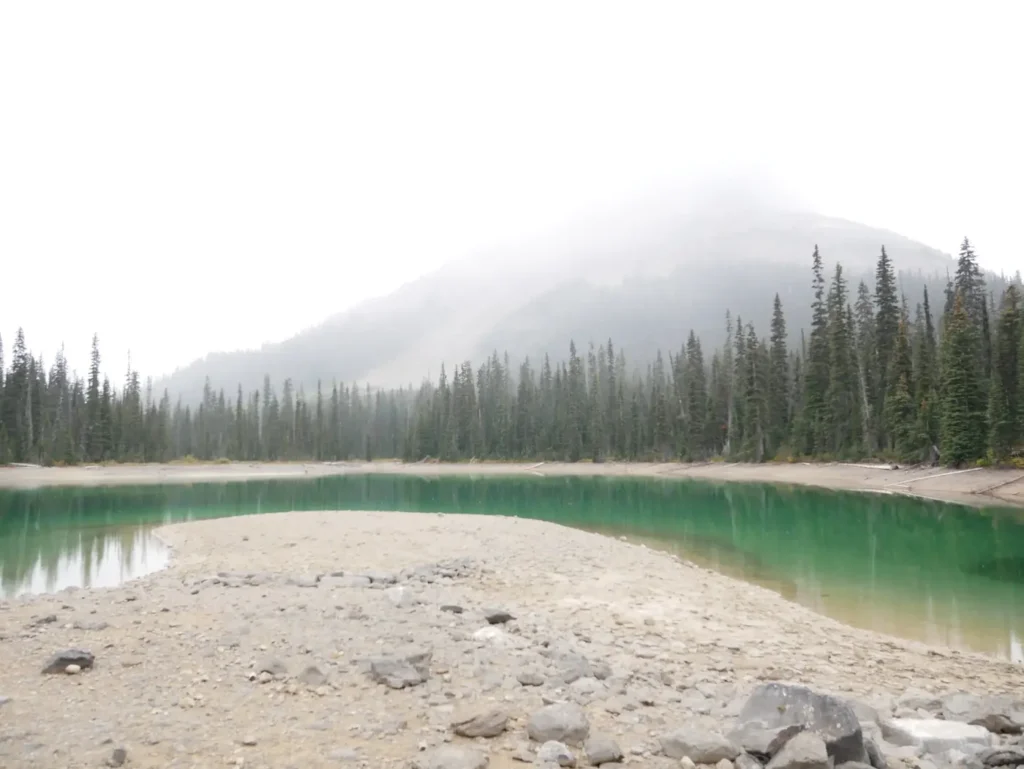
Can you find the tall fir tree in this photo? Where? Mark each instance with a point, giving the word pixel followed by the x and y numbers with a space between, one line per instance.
pixel 963 434
pixel 1005 393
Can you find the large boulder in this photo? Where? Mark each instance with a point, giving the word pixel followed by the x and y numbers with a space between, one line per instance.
pixel 562 722
pixel 804 751
pixel 701 746
pixel 775 705
pixel 934 735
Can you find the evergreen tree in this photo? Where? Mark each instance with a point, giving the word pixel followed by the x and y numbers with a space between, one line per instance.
pixel 962 400
pixel 1005 403
pixel 816 374
pixel 840 400
pixel 887 320
pixel 778 381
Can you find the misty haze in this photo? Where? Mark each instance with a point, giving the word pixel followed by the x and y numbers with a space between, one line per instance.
pixel 456 385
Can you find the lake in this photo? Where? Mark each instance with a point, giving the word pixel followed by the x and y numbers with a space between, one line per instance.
pixel 939 573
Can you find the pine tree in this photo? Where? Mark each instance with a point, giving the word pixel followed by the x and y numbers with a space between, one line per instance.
pixel 866 354
pixel 778 381
pixel 696 398
pixel 887 320
pixel 816 374
pixel 840 399
pixel 926 379
pixel 1004 403
pixel 900 414
pixel 962 401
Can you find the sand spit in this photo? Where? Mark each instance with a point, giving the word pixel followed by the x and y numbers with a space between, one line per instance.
pixel 325 639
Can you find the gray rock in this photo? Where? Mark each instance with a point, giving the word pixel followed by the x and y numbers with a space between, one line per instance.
pixel 774 705
pixel 378 577
pixel 59 661
pixel 489 722
pixel 918 699
pixel 601 749
pixel 452 608
pixel 805 751
pixel 999 714
pixel 701 746
pixel 763 743
pixel 573 666
pixel 497 616
pixel 600 670
pixel 1006 756
pixel 274 666
pixel 561 722
pixel 854 765
pixel 552 752
pixel 875 757
pixel 450 757
pixel 395 673
pixel 746 761
pixel 585 690
pixel 312 676
pixel 118 757
pixel 933 735
pixel 530 678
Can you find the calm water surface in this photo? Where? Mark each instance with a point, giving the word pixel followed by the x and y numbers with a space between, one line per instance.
pixel 936 572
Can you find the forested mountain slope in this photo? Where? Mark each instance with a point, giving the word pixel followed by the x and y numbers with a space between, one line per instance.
pixel 642 277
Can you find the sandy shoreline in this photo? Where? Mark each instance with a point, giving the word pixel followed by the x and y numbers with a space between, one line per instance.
pixel 179 653
pixel 974 486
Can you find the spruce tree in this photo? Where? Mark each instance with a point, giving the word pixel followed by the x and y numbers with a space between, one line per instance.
pixel 816 374
pixel 840 397
pixel 778 381
pixel 866 355
pixel 1004 403
pixel 900 414
pixel 963 436
pixel 887 320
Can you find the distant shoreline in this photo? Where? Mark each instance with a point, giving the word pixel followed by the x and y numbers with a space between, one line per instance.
pixel 973 486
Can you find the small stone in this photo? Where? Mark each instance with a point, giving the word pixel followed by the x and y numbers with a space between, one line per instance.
pixel 687 763
pixel 489 722
pixel 497 616
pixel 395 673
pixel 601 749
pixel 249 741
pixel 401 597
pixel 452 609
pixel 746 761
pixel 561 722
pixel 701 745
pixel 725 763
pixel 265 677
pixel 118 757
pixel 553 752
pixel 59 662
pixel 345 754
pixel 72 670
pixel 4 701
pixel 530 678
pixel 312 676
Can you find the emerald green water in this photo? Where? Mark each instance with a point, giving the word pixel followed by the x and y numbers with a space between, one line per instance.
pixel 936 572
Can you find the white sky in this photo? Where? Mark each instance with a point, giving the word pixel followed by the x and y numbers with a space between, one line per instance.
pixel 191 176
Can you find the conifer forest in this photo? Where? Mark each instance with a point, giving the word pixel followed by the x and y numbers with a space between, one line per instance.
pixel 877 375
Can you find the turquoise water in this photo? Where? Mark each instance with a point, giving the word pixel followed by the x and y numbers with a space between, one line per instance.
pixel 936 572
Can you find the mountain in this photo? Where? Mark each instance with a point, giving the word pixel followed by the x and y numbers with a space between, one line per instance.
pixel 642 275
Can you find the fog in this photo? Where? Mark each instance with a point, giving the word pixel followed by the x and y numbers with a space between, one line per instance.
pixel 196 177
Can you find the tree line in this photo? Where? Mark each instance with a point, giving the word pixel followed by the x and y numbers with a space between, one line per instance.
pixel 869 379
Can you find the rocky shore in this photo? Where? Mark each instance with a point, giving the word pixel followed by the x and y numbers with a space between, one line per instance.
pixel 336 639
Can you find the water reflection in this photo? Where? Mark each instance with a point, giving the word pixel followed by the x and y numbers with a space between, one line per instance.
pixel 938 573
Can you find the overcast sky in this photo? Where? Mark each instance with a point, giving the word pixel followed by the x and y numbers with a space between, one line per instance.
pixel 190 176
